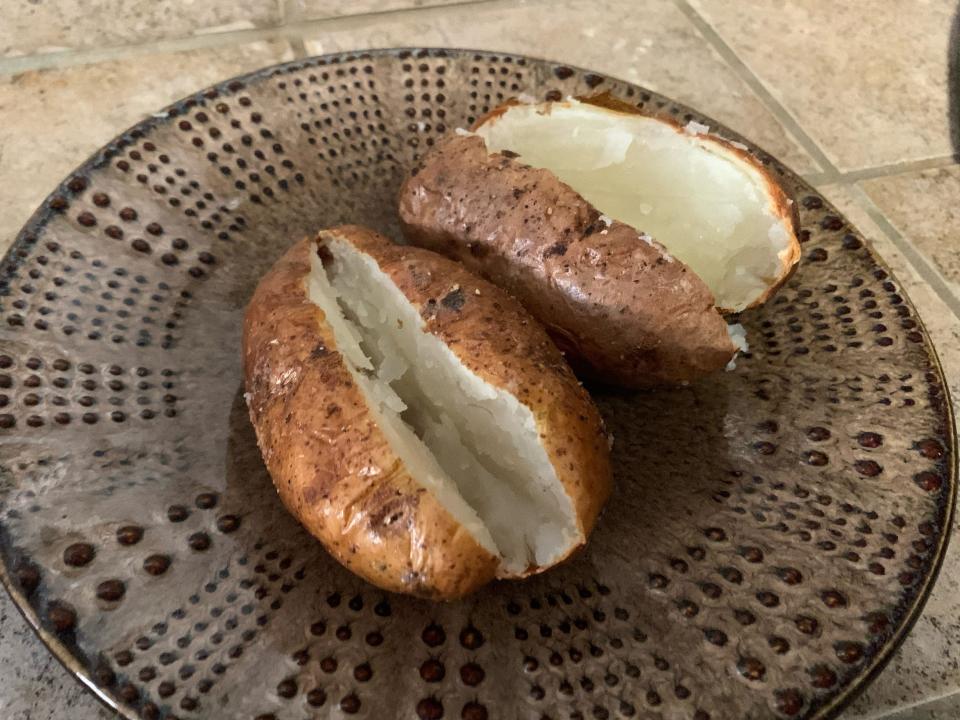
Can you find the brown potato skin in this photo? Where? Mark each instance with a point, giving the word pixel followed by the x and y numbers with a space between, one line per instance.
pixel 621 311
pixel 319 438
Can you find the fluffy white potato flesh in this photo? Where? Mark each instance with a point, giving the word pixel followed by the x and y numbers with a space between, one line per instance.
pixel 697 197
pixel 474 446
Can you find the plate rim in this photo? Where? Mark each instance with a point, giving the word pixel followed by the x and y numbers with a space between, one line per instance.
pixel 828 710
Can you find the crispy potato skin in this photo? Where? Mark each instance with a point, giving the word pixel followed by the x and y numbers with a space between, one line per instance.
pixel 332 465
pixel 615 304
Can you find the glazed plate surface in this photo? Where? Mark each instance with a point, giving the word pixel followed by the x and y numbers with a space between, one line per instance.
pixel 773 532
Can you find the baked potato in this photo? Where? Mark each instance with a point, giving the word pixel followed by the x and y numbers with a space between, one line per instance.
pixel 415 419
pixel 630 237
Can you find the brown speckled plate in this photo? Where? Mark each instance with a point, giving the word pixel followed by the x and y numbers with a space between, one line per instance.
pixel 773 532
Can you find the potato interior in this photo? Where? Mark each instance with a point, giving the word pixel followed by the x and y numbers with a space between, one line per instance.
pixel 694 196
pixel 474 446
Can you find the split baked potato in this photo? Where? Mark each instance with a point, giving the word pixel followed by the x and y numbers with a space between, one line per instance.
pixel 629 237
pixel 415 419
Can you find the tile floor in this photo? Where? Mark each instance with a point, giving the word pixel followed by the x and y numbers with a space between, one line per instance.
pixel 850 93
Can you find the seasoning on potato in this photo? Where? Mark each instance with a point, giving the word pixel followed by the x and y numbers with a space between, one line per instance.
pixel 415 418
pixel 628 236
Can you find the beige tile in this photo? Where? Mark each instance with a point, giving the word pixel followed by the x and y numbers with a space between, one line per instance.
pixel 945 708
pixel 39 26
pixel 867 79
pixel 51 120
pixel 923 207
pixel 928 663
pixel 658 48
pixel 312 9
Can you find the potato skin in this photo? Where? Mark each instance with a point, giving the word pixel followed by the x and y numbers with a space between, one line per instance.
pixel 615 304
pixel 332 465
pixel 319 441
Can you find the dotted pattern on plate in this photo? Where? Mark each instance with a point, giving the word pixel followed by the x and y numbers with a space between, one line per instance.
pixel 771 529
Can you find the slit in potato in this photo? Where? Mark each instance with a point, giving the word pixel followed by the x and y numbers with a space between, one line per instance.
pixel 474 446
pixel 701 198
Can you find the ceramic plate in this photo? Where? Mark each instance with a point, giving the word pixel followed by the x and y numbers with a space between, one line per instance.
pixel 773 532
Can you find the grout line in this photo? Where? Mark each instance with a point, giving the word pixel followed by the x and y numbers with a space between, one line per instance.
pixel 897 712
pixel 926 271
pixel 299 48
pixel 897 168
pixel 289 32
pixel 773 105
pixel 71 58
pixel 822 178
